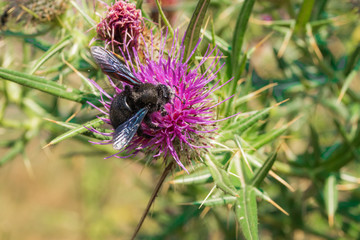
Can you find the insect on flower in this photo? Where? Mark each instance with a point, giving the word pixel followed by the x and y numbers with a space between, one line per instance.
pixel 133 105
pixel 165 87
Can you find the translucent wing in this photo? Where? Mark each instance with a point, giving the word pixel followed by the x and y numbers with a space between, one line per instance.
pixel 126 131
pixel 112 65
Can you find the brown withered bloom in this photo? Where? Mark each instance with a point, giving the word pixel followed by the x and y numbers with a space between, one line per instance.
pixel 31 11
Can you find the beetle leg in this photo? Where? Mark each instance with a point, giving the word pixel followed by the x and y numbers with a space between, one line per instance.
pixel 148 122
pixel 141 133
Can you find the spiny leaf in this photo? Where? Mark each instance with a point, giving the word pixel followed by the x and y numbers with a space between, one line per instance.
pixel 240 171
pixel 264 170
pixel 25 35
pixel 200 176
pixel 248 122
pixel 266 197
pixel 193 30
pixel 269 137
pixel 238 37
pixel 70 125
pixel 40 44
pixel 246 213
pixel 47 86
pixel 220 176
pixel 245 169
pixel 49 53
pixel 221 201
pixel 79 130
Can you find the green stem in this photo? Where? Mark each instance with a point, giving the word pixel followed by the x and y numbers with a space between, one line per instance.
pixel 304 15
pixel 47 86
pixel 163 17
pixel 152 198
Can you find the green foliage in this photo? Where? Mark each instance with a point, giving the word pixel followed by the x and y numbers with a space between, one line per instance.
pixel 302 81
pixel 192 33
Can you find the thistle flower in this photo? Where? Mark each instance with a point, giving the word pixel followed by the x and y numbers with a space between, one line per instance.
pixel 190 120
pixel 122 24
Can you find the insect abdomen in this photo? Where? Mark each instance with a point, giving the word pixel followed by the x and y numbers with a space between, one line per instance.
pixel 120 111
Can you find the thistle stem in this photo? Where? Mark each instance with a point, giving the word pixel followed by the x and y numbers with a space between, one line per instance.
pixel 152 198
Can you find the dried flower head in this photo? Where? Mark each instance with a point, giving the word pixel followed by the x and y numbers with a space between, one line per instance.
pixel 122 24
pixel 190 119
pixel 34 10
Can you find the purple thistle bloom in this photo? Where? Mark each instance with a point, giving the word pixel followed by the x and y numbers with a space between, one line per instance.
pixel 190 119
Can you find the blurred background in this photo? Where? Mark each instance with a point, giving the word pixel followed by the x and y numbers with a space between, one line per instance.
pixel 69 191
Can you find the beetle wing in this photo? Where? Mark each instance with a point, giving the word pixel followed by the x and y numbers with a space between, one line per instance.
pixel 112 65
pixel 126 131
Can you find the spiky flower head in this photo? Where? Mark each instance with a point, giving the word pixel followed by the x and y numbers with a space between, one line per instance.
pixel 123 23
pixel 190 121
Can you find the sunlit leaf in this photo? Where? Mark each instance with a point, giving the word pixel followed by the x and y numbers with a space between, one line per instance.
pixel 80 130
pixel 263 170
pixel 221 201
pixel 246 213
pixel 200 176
pixel 47 86
pixel 49 53
pixel 193 30
pixel 238 37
